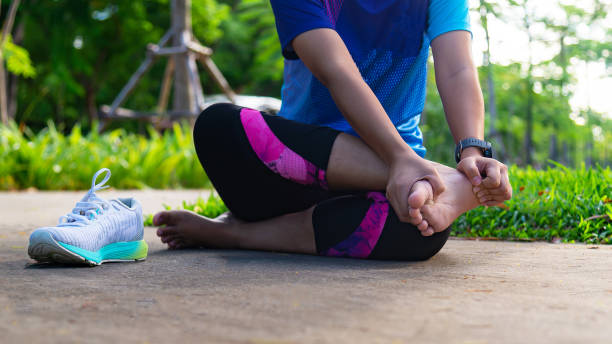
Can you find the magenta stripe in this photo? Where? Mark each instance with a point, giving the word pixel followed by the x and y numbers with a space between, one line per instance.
pixel 275 155
pixel 362 241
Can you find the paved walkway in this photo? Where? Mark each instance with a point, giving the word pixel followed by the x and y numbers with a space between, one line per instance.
pixel 472 292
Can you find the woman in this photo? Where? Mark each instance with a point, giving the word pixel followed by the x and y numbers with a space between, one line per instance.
pixel 341 170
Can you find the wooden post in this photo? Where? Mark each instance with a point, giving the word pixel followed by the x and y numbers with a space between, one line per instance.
pixel 182 49
pixel 181 24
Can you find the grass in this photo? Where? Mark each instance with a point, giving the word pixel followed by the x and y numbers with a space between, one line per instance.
pixel 557 205
pixel 51 160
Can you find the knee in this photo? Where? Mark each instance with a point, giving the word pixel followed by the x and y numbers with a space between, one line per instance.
pixel 216 126
pixel 211 119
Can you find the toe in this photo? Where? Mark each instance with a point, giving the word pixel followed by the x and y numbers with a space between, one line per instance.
pixel 428 232
pixel 423 226
pixel 166 231
pixel 415 216
pixel 168 238
pixel 164 218
pixel 420 193
pixel 175 244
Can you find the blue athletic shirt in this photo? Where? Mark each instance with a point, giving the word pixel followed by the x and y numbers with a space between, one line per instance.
pixel 388 40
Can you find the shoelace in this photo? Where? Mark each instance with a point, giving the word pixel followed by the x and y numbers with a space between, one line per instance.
pixel 90 206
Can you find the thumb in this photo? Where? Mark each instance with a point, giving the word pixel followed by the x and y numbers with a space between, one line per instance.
pixel 437 185
pixel 470 169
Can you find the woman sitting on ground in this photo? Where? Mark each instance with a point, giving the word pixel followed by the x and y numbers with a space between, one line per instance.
pixel 341 170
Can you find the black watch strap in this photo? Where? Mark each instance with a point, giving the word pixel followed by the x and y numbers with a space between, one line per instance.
pixel 485 147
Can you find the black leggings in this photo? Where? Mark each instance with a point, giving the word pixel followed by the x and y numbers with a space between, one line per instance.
pixel 266 166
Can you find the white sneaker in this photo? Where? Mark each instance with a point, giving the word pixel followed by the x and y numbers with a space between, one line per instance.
pixel 95 232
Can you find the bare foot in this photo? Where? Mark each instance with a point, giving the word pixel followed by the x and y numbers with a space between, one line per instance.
pixel 420 194
pixel 452 203
pixel 458 198
pixel 186 229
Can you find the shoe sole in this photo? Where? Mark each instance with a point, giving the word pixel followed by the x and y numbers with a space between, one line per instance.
pixel 44 249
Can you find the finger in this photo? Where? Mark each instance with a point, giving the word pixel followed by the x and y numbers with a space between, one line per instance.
pixel 470 169
pixel 437 185
pixel 492 198
pixel 505 184
pixel 165 231
pixel 493 204
pixel 401 209
pixel 493 175
pixel 499 192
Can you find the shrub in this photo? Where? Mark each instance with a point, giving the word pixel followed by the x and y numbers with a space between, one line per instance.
pixel 50 160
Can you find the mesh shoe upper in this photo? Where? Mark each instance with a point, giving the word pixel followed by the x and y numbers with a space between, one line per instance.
pixel 95 222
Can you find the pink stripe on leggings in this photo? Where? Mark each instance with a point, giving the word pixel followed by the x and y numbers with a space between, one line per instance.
pixel 274 154
pixel 362 241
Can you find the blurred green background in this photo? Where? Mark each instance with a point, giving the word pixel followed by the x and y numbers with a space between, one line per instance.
pixel 66 58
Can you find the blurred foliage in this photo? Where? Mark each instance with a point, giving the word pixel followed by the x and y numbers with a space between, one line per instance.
pixel 50 160
pixel 17 59
pixel 81 53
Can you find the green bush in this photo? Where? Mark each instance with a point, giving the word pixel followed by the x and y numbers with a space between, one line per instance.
pixel 50 160
pixel 557 204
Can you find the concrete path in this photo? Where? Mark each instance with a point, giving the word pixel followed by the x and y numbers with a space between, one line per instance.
pixel 472 292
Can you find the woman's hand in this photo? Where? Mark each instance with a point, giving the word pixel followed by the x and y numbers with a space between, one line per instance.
pixel 403 173
pixel 495 188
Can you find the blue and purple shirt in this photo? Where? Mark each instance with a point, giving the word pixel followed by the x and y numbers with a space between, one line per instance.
pixel 388 40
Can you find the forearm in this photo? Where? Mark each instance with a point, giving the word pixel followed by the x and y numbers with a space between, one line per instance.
pixel 464 107
pixel 367 117
pixel 326 56
pixel 463 104
pixel 457 80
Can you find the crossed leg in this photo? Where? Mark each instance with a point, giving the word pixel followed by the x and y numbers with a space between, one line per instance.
pixel 305 227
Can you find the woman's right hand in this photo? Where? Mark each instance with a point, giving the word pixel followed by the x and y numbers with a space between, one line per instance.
pixel 403 173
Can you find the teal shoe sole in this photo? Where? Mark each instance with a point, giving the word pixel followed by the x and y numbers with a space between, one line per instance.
pixel 43 248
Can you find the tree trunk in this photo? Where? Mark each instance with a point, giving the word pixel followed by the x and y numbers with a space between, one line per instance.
pixel 13 81
pixel 6 30
pixel 493 133
pixel 553 153
pixel 529 109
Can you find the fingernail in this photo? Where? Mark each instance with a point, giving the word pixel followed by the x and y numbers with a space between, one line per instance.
pixel 476 189
pixel 476 180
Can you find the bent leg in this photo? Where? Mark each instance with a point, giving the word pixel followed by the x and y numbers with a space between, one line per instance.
pixel 253 162
pixel 256 160
pixel 354 226
pixel 366 226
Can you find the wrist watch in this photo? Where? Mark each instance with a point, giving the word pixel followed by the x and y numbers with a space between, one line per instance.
pixel 485 147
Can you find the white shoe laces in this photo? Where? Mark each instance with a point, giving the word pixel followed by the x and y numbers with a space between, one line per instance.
pixel 90 206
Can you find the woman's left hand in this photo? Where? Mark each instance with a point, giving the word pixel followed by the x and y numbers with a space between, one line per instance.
pixel 495 188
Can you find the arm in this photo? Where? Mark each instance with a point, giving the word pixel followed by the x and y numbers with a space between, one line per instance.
pixel 457 80
pixel 326 56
